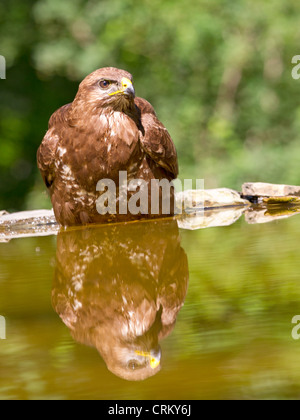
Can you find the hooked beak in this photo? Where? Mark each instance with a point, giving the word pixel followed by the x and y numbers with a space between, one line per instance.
pixel 154 357
pixel 127 88
pixel 130 91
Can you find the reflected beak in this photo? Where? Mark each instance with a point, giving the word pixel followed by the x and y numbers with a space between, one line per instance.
pixel 153 356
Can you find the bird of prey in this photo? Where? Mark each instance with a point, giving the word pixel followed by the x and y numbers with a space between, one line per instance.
pixel 106 130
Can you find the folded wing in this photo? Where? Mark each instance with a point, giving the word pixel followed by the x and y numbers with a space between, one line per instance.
pixel 155 139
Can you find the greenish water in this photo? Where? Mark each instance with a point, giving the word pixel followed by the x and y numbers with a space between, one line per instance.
pixel 90 307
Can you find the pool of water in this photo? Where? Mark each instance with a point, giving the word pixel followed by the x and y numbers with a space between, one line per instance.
pixel 151 311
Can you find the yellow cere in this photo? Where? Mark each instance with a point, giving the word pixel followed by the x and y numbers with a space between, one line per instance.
pixel 154 363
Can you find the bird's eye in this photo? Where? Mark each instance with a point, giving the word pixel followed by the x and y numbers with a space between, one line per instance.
pixel 133 364
pixel 104 84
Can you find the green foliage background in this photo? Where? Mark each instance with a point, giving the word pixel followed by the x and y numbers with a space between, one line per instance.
pixel 218 73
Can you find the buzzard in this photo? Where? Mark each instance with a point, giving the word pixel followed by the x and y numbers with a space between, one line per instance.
pixel 105 131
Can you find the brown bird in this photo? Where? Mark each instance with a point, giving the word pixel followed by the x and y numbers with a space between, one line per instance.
pixel 104 131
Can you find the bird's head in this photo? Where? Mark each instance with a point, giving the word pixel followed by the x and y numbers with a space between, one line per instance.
pixel 108 87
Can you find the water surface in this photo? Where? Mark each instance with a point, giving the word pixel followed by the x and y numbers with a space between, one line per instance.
pixel 148 311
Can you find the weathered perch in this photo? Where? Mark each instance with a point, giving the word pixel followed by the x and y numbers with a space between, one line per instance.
pixel 197 209
pixel 27 224
pixel 209 199
pixel 263 190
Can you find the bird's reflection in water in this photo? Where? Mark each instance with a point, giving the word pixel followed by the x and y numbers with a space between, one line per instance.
pixel 119 288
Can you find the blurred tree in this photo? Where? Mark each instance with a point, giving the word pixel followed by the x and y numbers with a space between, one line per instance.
pixel 219 74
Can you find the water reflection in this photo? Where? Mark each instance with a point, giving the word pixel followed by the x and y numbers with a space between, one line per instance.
pixel 119 288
